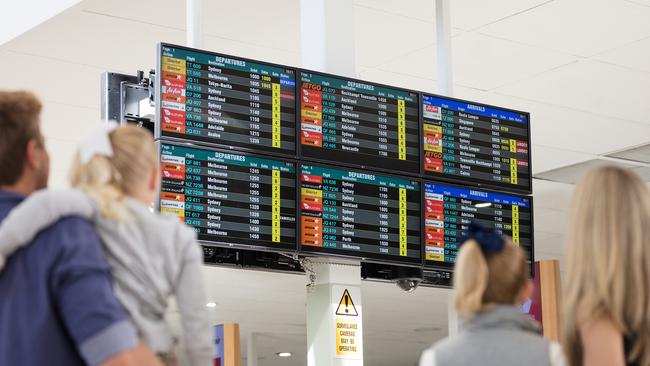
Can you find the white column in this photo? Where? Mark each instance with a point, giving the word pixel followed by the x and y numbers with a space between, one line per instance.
pixel 327 45
pixel 327 36
pixel 443 37
pixel 251 349
pixel 193 23
pixel 334 323
pixel 446 87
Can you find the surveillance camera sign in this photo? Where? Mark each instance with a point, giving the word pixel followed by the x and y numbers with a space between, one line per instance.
pixel 347 321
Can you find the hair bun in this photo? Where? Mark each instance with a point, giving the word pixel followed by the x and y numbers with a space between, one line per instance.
pixel 488 239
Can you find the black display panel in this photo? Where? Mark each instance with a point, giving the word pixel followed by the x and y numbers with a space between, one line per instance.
pixel 227 101
pixel 448 210
pixel 358 123
pixel 230 198
pixel 360 214
pixel 476 144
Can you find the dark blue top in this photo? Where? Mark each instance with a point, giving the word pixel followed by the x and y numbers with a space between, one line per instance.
pixel 57 305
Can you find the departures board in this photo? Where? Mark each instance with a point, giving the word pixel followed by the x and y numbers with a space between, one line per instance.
pixel 359 123
pixel 230 198
pixel 470 143
pixel 359 213
pixel 448 211
pixel 231 102
pixel 265 156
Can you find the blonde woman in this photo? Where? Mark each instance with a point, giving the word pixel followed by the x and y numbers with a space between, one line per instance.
pixel 116 179
pixel 607 288
pixel 491 281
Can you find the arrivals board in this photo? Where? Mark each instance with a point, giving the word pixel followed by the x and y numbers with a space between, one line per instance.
pixel 230 198
pixel 359 123
pixel 448 210
pixel 359 213
pixel 475 144
pixel 232 102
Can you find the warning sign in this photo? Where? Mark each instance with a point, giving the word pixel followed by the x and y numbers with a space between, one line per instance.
pixel 347 337
pixel 346 305
pixel 347 323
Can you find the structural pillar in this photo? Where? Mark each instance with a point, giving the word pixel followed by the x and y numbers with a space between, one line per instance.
pixel 334 313
pixel 334 326
pixel 193 23
pixel 443 47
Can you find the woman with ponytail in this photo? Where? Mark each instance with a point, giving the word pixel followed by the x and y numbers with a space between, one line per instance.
pixel 116 179
pixel 490 282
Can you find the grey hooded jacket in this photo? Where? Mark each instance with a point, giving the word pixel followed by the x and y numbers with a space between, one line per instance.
pixel 498 336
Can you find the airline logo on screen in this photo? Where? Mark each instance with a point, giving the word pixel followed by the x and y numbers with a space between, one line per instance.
pixel 311 117
pixel 311 203
pixel 173 95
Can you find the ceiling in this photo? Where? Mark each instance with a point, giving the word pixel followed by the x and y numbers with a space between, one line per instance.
pixel 581 67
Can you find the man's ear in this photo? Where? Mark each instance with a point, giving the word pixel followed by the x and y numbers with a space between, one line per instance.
pixel 32 155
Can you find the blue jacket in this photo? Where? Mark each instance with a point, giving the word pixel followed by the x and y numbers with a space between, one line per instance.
pixel 57 305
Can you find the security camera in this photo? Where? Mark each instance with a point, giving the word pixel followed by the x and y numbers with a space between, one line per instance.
pixel 407 278
pixel 408 284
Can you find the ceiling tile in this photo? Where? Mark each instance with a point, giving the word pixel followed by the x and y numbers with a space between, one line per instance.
pixel 547 158
pixel 51 80
pixel 485 62
pixel 381 37
pixel 635 55
pixel 471 14
pixel 422 10
pixel 590 86
pixel 62 38
pixel 397 79
pixel 582 27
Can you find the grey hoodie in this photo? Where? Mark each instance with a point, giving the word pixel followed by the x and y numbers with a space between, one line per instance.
pixel 498 336
pixel 152 257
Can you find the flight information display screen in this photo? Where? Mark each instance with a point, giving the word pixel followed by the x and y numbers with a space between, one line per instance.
pixel 360 214
pixel 230 198
pixel 231 102
pixel 359 123
pixel 476 144
pixel 448 211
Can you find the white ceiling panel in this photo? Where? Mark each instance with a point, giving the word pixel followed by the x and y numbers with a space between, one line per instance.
pixel 258 22
pixel 485 62
pixel 591 86
pixel 167 13
pixel 472 14
pixel 51 79
pixel 415 10
pixel 381 37
pixel 635 55
pixel 123 45
pixel 547 158
pixel 581 27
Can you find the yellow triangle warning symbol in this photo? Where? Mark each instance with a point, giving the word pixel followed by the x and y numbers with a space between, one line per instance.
pixel 346 306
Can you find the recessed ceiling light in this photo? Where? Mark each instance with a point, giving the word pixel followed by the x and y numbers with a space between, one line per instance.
pixel 483 204
pixel 211 304
pixel 284 354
